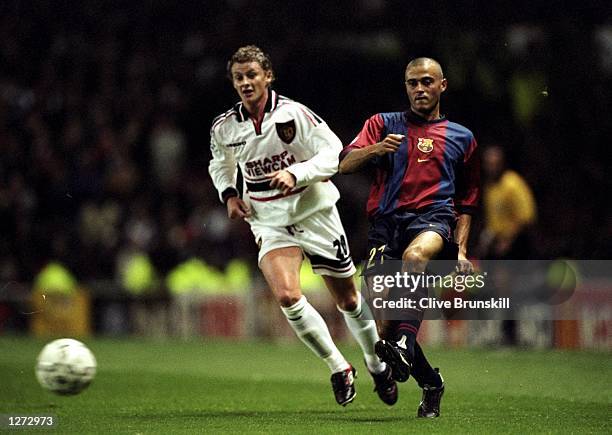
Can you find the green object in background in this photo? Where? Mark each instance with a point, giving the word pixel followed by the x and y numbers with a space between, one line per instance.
pixel 55 278
pixel 563 274
pixel 195 276
pixel 138 275
pixel 562 279
pixel 526 90
pixel 238 276
pixel 310 281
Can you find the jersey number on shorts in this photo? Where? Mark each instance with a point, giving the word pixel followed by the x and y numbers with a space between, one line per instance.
pixel 373 251
pixel 341 248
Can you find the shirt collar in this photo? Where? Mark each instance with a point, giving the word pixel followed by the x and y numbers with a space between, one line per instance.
pixel 417 119
pixel 242 114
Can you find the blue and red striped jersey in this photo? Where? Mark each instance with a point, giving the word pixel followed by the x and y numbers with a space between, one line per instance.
pixel 436 164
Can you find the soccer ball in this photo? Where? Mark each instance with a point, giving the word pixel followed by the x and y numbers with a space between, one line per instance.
pixel 65 366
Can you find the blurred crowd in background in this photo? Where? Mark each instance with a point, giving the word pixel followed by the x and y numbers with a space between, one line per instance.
pixel 105 110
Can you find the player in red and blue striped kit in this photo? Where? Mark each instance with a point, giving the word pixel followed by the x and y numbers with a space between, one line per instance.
pixel 425 188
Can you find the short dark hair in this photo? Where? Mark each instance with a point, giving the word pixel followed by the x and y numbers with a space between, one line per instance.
pixel 250 53
pixel 422 61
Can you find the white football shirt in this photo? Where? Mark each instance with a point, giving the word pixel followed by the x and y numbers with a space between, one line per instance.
pixel 290 137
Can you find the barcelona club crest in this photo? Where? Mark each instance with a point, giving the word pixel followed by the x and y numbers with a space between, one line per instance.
pixel 286 131
pixel 424 144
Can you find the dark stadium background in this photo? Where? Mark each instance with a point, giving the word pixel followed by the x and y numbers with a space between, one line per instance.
pixel 91 92
pixel 105 110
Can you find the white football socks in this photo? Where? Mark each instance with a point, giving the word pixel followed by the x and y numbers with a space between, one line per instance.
pixel 312 330
pixel 361 324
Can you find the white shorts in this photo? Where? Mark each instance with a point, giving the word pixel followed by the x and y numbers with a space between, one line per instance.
pixel 321 237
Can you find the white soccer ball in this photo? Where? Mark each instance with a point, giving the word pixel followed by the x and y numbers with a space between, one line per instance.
pixel 65 366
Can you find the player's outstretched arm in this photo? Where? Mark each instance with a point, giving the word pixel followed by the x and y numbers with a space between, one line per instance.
pixel 356 159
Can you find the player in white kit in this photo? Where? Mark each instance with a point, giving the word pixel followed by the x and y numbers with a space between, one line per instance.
pixel 287 154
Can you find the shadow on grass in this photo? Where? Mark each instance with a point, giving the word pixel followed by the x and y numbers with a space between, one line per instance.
pixel 355 416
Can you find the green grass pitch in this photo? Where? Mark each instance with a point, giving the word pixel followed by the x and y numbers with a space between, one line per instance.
pixel 258 387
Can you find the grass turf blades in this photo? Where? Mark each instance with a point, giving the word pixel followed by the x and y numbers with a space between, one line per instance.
pixel 217 386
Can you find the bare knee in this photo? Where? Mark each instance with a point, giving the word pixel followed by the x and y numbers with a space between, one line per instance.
pixel 413 255
pixel 287 297
pixel 415 259
pixel 348 302
pixel 344 292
